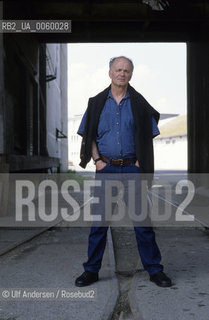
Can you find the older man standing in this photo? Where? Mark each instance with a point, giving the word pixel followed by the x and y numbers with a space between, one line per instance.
pixel 117 129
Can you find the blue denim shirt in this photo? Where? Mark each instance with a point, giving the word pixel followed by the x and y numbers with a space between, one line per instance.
pixel 115 133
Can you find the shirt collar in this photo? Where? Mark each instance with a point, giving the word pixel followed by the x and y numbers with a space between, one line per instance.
pixel 110 95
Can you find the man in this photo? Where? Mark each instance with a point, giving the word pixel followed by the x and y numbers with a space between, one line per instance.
pixel 117 129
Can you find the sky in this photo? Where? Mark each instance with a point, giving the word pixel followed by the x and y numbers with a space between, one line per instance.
pixel 159 73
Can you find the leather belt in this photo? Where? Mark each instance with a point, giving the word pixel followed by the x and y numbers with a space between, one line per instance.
pixel 117 162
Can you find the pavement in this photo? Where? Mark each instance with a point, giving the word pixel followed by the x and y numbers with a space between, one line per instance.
pixel 52 258
pixel 50 263
pixel 186 260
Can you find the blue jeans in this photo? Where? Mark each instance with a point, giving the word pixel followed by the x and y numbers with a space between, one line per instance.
pixel 145 236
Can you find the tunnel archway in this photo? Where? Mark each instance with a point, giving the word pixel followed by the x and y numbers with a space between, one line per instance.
pixel 130 21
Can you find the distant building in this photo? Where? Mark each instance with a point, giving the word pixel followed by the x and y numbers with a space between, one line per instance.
pixel 170 146
pixel 74 145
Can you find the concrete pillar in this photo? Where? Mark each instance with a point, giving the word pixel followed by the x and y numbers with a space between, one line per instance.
pixel 198 107
pixel 2 146
pixel 4 167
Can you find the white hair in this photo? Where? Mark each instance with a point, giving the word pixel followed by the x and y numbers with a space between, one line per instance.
pixel 113 59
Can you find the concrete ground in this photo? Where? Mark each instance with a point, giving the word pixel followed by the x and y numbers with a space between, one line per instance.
pixel 52 261
pixel 186 261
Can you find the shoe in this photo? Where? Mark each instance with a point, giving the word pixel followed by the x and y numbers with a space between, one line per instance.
pixel 86 279
pixel 160 279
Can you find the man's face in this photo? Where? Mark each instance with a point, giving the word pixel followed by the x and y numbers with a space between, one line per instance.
pixel 121 72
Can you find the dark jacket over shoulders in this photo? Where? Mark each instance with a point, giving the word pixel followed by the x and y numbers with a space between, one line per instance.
pixel 142 114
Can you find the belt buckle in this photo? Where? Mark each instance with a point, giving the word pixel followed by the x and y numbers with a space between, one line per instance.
pixel 121 161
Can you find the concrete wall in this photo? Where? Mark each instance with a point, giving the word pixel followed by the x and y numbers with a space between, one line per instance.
pixel 34 107
pixel 21 76
pixel 64 105
pixel 56 101
pixel 1 88
pixel 198 106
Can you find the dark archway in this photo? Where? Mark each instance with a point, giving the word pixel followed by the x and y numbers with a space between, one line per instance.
pixel 134 21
